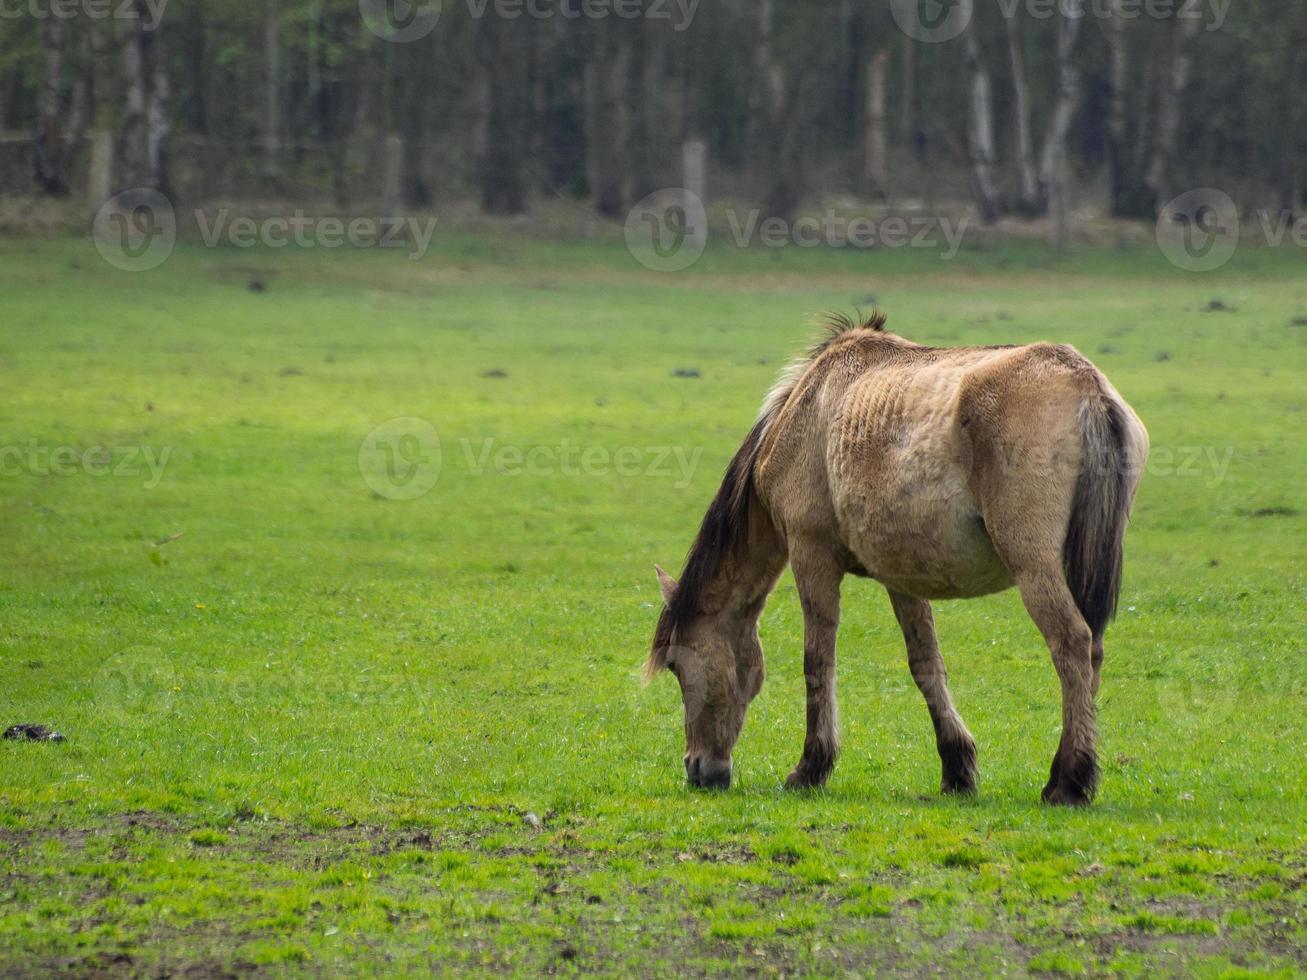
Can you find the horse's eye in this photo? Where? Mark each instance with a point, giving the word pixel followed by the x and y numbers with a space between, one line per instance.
pixel 672 668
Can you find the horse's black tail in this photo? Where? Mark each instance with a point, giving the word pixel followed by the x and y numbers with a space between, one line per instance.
pixel 1092 553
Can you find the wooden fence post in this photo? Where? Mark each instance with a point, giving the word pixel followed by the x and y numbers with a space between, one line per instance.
pixel 694 176
pixel 99 175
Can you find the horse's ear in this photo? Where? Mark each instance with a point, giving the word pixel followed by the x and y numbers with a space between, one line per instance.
pixel 667 584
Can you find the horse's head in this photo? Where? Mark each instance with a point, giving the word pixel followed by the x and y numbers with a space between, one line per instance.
pixel 717 660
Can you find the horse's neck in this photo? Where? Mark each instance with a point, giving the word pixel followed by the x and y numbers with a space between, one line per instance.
pixel 747 577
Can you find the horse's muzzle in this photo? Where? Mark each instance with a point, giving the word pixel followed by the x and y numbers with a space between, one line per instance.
pixel 708 773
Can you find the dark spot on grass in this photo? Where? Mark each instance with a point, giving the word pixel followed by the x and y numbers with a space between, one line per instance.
pixel 686 373
pixel 494 373
pixel 1219 306
pixel 32 733
pixel 291 372
pixel 1108 349
pixel 963 857
pixel 1273 512
pixel 1162 356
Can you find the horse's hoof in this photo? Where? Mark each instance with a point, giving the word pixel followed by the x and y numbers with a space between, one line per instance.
pixel 1063 795
pixel 1071 784
pixel 804 778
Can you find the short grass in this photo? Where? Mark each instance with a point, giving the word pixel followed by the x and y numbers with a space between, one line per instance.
pixel 306 722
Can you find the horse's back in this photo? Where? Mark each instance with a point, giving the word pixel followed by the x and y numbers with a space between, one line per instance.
pixel 925 446
pixel 903 452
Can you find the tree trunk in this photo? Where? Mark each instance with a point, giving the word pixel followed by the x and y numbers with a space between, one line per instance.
pixel 608 130
pixel 759 148
pixel 144 128
pixel 1169 110
pixel 1118 165
pixel 365 132
pixel 132 125
pixel 158 123
pixel 980 127
pixel 1058 202
pixel 1021 116
pixel 271 96
pixel 910 132
pixel 415 126
pixel 1068 97
pixel 51 171
pixel 785 185
pixel 642 110
pixel 876 161
pixel 503 183
pixel 1289 187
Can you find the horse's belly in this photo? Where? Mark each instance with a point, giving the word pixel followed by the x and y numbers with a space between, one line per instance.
pixel 919 531
pixel 948 557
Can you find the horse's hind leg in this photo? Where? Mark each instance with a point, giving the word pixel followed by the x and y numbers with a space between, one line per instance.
pixel 957 749
pixel 1074 774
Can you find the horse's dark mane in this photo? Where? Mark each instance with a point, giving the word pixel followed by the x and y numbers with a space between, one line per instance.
pixel 725 526
pixel 839 324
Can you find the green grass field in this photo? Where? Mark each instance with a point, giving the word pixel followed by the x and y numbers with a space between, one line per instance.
pixel 306 721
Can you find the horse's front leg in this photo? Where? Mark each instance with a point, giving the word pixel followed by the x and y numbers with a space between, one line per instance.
pixel 957 749
pixel 817 577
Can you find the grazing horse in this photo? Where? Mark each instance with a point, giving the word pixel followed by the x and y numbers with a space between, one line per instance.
pixel 942 473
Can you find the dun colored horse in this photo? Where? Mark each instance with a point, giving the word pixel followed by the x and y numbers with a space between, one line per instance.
pixel 942 473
